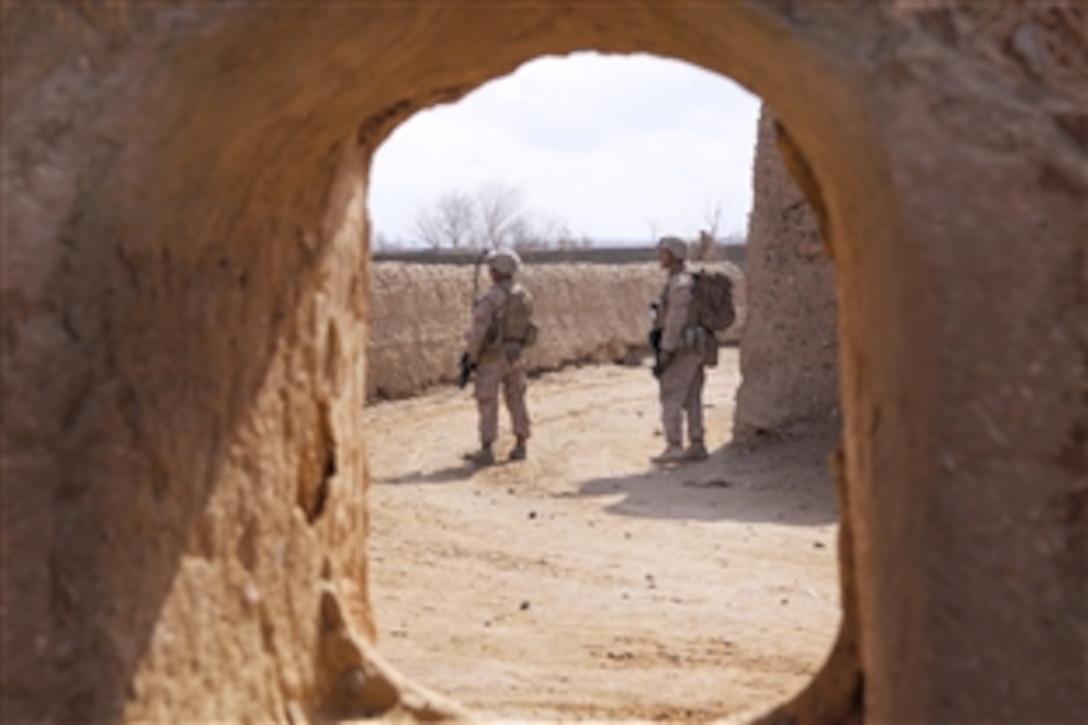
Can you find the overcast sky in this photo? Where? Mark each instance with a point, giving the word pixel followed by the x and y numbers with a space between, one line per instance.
pixel 619 148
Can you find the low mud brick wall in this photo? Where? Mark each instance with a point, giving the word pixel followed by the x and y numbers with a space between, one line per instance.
pixel 586 312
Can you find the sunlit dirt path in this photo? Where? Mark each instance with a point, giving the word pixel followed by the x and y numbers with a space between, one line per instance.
pixel 584 583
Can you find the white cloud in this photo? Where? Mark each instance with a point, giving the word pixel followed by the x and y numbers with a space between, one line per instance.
pixel 618 147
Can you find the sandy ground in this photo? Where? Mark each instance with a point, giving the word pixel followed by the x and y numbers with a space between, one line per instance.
pixel 585 583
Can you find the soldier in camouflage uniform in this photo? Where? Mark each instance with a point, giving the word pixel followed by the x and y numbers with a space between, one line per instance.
pixel 680 366
pixel 501 319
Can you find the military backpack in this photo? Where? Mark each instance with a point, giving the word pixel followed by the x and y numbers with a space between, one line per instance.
pixel 711 301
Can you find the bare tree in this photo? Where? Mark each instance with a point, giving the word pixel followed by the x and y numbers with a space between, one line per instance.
pixel 553 232
pixel 498 207
pixel 428 227
pixel 456 210
pixel 521 235
pixel 448 224
pixel 544 232
pixel 492 218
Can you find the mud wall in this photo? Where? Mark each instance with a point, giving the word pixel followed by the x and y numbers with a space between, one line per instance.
pixel 586 312
pixel 789 353
pixel 184 305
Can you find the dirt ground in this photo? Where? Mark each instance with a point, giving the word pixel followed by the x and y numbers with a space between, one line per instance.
pixel 585 583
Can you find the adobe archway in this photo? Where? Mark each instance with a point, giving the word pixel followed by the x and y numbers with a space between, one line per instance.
pixel 185 311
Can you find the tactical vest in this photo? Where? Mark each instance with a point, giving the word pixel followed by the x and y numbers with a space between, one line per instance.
pixel 513 323
pixel 516 317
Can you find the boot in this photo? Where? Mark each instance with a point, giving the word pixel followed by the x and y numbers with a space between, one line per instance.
pixel 673 453
pixel 482 457
pixel 518 452
pixel 696 451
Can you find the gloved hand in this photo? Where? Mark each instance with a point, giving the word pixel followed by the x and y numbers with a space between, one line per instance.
pixel 663 360
pixel 655 339
pixel 467 366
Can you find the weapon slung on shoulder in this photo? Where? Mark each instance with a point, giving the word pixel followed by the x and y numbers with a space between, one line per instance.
pixel 466 364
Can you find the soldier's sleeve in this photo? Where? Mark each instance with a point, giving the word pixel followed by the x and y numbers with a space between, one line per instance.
pixel 676 316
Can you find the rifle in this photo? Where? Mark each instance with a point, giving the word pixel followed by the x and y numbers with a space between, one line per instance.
pixel 655 340
pixel 467 366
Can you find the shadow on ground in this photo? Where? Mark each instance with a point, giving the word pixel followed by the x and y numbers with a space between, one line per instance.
pixel 461 472
pixel 776 481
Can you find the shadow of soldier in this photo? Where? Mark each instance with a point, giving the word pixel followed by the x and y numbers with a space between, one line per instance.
pixel 461 472
pixel 776 481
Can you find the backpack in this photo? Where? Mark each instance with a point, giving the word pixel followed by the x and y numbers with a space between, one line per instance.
pixel 517 323
pixel 711 301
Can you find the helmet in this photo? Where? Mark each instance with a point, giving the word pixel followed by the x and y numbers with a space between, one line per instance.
pixel 675 246
pixel 504 261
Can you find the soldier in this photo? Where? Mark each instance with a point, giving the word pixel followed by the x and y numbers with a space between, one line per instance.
pixel 681 358
pixel 502 328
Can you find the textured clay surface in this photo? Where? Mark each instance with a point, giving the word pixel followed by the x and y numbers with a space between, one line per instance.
pixel 789 355
pixel 586 313
pixel 185 316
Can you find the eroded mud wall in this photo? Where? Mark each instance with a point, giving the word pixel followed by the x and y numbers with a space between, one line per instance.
pixel 183 470
pixel 184 303
pixel 968 407
pixel 586 312
pixel 183 463
pixel 789 351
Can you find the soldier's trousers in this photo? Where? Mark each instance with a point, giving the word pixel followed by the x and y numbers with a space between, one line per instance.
pixel 681 389
pixel 492 373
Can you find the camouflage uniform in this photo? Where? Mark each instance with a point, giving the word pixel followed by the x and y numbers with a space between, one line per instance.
pixel 681 383
pixel 498 366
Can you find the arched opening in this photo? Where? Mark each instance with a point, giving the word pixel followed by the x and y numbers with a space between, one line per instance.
pixel 603 566
pixel 185 310
pixel 265 180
